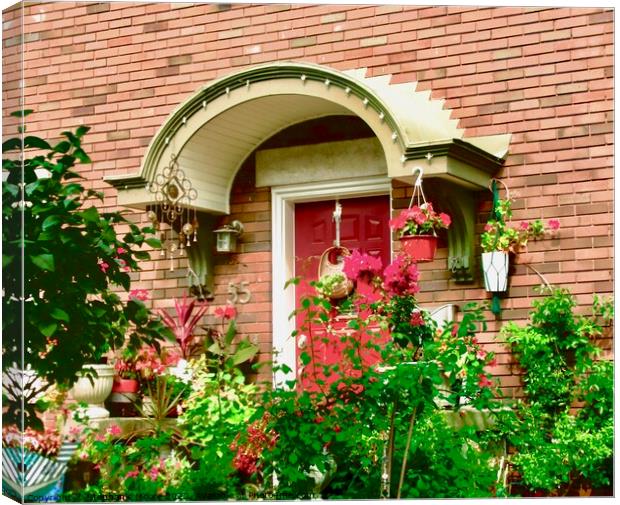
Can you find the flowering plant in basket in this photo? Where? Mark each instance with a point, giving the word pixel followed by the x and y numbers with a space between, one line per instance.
pixel 498 235
pixel 420 220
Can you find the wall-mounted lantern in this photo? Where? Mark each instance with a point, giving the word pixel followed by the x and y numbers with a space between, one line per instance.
pixel 227 237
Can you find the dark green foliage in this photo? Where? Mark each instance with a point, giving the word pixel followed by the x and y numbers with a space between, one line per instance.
pixel 61 257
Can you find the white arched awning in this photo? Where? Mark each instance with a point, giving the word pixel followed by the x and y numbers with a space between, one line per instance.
pixel 215 130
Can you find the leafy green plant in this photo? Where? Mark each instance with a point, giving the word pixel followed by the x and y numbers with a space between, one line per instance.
pixel 556 444
pixel 61 259
pixel 218 407
pixel 359 430
pixel 498 235
pixel 133 468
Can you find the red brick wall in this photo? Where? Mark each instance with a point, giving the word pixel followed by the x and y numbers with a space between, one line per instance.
pixel 545 75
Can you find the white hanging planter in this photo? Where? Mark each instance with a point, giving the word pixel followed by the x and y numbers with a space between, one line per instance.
pixel 495 270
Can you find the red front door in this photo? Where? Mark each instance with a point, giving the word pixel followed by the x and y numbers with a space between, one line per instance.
pixel 364 226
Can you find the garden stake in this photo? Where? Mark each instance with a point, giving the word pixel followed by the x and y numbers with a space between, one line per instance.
pixel 407 446
pixel 386 462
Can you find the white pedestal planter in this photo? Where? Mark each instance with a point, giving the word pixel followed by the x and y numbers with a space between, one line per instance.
pixel 94 393
pixel 495 270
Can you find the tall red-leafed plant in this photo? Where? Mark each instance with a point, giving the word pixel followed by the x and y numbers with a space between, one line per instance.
pixel 185 323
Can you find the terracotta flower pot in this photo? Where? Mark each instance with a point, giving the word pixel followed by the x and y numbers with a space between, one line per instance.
pixel 420 248
pixel 125 385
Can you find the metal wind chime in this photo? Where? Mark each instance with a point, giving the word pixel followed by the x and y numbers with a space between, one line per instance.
pixel 174 215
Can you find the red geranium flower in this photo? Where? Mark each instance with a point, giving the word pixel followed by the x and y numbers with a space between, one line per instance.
pixel 227 312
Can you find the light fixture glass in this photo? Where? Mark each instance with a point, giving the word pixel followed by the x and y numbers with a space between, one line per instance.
pixel 227 235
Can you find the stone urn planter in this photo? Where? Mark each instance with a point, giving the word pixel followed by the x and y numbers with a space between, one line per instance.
pixel 94 390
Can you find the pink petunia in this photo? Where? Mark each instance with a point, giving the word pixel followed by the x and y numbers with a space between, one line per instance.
pixel 227 312
pixel 554 224
pixel 488 227
pixel 524 225
pixel 481 354
pixel 120 250
pixel 132 473
pixel 445 219
pixel 103 266
pixel 399 221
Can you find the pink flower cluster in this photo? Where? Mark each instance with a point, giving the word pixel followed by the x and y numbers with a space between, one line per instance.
pixel 104 266
pixel 361 265
pixel 419 220
pixel 400 278
pixel 47 443
pixel 417 319
pixel 139 294
pixel 246 460
pixel 150 363
pixel 125 368
pixel 227 312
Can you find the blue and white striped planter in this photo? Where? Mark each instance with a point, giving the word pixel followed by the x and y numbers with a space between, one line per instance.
pixel 34 477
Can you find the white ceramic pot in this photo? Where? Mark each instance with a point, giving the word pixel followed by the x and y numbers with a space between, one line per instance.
pixel 94 393
pixel 495 270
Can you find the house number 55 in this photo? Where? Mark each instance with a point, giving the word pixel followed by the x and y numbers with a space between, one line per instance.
pixel 239 292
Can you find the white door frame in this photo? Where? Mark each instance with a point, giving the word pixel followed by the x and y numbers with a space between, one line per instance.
pixel 283 200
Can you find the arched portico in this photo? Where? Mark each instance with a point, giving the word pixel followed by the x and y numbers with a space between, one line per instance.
pixel 217 128
pixel 214 130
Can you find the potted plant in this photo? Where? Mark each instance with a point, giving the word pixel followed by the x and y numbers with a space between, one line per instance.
pixel 499 239
pixel 93 387
pixel 417 230
pixel 185 323
pixel 153 367
pixel 125 386
pixel 126 378
pixel 35 461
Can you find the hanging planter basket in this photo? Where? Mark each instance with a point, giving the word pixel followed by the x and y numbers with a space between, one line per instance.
pixel 330 268
pixel 421 244
pixel 495 270
pixel 420 248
